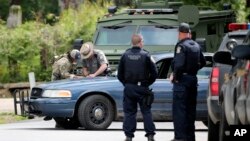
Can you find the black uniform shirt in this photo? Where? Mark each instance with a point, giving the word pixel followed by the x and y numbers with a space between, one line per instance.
pixel 136 66
pixel 188 58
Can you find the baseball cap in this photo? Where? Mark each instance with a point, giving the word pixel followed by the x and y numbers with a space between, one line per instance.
pixel 184 28
pixel 75 54
pixel 87 50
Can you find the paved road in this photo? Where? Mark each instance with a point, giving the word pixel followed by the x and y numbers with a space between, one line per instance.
pixel 39 130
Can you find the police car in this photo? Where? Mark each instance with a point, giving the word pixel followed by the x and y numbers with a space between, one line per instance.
pixel 93 103
pixel 215 97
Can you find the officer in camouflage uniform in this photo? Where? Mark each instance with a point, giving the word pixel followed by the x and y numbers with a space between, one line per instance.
pixel 63 67
pixel 188 59
pixel 94 61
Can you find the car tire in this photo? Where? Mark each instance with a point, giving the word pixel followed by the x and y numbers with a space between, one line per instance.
pixel 96 112
pixel 213 130
pixel 66 123
pixel 224 127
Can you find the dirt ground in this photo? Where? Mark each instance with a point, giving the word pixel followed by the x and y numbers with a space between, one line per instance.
pixel 4 93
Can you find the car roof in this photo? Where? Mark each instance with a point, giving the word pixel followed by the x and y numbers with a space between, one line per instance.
pixel 164 55
pixel 238 33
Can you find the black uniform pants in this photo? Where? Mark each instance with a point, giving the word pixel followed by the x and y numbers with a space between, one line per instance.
pixel 184 108
pixel 133 95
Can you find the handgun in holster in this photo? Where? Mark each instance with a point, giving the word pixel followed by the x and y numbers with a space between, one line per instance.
pixel 148 98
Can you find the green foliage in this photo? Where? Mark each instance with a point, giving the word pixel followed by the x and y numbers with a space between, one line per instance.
pixel 4 9
pixel 20 48
pixel 38 9
pixel 238 5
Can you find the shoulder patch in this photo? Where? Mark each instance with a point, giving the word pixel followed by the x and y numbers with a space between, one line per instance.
pixel 178 49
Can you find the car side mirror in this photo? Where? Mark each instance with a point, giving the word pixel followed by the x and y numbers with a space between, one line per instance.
pixel 223 57
pixel 241 52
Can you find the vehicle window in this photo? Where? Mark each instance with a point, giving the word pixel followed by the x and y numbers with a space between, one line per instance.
pixel 163 68
pixel 247 39
pixel 159 35
pixel 115 35
pixel 204 73
pixel 211 29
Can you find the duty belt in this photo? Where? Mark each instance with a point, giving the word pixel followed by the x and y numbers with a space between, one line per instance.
pixel 137 83
pixel 188 74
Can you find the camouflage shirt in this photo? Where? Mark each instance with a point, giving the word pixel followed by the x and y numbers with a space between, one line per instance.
pixel 93 64
pixel 61 68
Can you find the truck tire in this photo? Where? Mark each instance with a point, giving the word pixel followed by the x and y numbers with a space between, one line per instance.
pixel 224 127
pixel 96 112
pixel 213 130
pixel 66 123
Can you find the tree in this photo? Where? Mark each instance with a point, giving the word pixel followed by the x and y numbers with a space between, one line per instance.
pixel 15 2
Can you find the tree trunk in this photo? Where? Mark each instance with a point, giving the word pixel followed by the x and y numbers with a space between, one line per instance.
pixel 15 16
pixel 44 58
pixel 66 4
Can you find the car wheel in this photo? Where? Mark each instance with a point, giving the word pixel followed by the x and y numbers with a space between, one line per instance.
pixel 213 130
pixel 66 123
pixel 224 127
pixel 96 112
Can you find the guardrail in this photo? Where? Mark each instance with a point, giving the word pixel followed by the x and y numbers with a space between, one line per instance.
pixel 21 98
pixel 20 92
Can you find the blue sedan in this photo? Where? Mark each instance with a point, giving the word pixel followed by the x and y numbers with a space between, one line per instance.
pixel 93 103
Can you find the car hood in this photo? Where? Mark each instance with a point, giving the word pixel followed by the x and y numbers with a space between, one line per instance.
pixel 79 83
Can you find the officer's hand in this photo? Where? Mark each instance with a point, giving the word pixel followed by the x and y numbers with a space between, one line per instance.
pixel 77 77
pixel 172 79
pixel 91 75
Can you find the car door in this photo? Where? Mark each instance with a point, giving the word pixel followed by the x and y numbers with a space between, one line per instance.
pixel 162 106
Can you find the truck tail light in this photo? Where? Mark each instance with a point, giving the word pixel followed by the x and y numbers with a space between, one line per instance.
pixel 214 82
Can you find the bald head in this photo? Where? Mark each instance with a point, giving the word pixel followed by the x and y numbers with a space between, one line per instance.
pixel 137 40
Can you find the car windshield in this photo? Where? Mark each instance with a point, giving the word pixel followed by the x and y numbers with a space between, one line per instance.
pixel 159 35
pixel 153 35
pixel 115 35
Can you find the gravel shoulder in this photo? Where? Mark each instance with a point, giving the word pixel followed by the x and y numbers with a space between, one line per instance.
pixel 7 105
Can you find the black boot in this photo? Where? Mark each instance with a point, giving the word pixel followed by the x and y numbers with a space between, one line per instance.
pixel 151 138
pixel 128 139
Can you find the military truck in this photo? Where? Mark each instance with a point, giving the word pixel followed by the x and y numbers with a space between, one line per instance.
pixel 157 21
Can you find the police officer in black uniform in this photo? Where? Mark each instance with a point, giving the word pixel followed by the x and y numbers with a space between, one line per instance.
pixel 188 59
pixel 137 72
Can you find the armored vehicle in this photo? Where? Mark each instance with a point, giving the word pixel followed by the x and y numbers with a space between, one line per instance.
pixel 158 22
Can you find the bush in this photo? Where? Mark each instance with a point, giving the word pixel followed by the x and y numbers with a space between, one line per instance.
pixel 30 46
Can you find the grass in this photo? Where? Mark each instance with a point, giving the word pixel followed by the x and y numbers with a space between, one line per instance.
pixel 10 118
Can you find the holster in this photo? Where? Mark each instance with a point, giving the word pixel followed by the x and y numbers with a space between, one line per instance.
pixel 148 99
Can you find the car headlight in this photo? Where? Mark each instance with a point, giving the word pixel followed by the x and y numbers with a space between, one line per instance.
pixel 57 93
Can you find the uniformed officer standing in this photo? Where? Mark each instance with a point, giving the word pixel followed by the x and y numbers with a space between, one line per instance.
pixel 94 62
pixel 188 59
pixel 136 72
pixel 63 67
